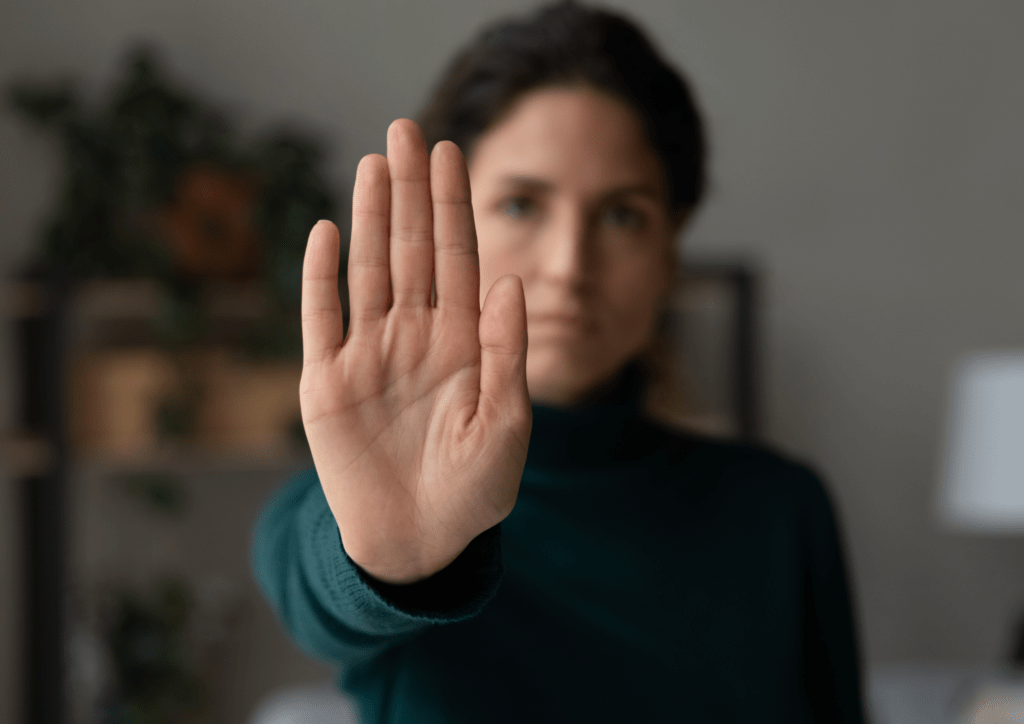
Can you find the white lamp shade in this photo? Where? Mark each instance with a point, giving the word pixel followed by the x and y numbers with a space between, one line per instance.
pixel 982 486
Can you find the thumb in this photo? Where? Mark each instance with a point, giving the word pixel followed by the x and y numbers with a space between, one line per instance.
pixel 503 348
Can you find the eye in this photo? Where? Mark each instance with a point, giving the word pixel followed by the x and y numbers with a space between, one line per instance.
pixel 624 217
pixel 518 207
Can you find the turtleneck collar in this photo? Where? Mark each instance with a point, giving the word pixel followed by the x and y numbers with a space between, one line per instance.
pixel 593 432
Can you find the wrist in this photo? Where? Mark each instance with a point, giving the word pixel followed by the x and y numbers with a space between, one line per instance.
pixel 460 588
pixel 396 567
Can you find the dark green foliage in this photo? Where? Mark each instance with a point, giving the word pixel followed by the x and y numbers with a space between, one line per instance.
pixel 121 165
pixel 44 106
pixel 174 420
pixel 146 637
pixel 162 492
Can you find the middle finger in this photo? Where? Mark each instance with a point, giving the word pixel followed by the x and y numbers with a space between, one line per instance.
pixel 412 222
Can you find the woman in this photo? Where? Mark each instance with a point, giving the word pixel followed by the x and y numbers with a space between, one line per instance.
pixel 495 530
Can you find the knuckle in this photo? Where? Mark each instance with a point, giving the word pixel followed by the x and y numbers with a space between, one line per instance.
pixel 413 233
pixel 318 316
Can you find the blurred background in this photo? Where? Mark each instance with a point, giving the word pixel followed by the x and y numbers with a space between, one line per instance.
pixel 867 162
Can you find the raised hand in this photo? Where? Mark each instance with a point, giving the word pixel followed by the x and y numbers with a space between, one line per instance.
pixel 419 418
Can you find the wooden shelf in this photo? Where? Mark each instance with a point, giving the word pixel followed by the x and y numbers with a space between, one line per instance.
pixel 141 299
pixel 122 300
pixel 27 456
pixel 189 459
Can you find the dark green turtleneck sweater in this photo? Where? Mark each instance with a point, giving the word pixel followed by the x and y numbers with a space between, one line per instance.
pixel 643 576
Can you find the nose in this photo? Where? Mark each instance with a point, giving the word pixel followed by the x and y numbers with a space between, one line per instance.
pixel 568 254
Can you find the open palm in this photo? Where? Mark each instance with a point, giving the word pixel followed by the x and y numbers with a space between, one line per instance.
pixel 419 418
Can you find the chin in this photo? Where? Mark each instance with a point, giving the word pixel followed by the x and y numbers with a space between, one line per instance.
pixel 556 377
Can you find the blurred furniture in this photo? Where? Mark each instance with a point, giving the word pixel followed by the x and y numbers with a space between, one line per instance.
pixel 981 486
pixel 711 325
pixel 113 493
pixel 36 453
pixel 158 362
pixel 982 483
pixel 981 491
pixel 944 693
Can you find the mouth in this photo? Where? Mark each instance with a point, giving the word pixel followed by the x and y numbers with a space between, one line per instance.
pixel 561 324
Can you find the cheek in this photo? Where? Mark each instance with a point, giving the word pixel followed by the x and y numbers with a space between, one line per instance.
pixel 498 256
pixel 637 300
pixel 638 292
pixel 495 263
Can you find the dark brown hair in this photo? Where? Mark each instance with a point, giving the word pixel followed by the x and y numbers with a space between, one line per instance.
pixel 569 44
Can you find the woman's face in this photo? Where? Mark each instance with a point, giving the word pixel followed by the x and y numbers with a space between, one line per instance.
pixel 568 194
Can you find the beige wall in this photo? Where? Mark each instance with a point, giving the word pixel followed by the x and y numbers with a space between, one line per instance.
pixel 868 157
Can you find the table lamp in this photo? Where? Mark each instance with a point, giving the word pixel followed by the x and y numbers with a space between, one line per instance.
pixel 982 474
pixel 982 489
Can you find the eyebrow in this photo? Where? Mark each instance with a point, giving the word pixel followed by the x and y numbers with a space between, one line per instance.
pixel 540 185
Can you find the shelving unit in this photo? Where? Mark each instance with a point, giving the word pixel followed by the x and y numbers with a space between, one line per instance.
pixel 80 529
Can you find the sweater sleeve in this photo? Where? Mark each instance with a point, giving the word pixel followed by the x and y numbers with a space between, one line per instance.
pixel 832 658
pixel 330 606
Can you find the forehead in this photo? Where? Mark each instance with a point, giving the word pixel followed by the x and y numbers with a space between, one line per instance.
pixel 576 137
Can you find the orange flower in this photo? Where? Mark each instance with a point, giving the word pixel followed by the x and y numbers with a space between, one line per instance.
pixel 210 227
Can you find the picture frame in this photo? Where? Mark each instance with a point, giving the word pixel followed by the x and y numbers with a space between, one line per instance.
pixel 710 347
